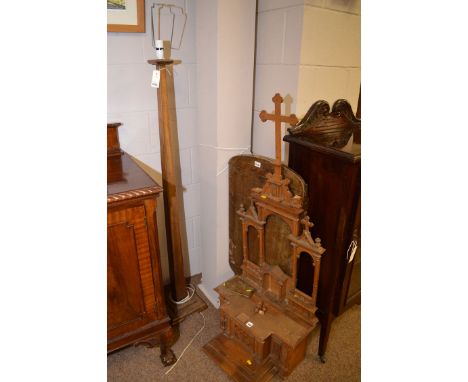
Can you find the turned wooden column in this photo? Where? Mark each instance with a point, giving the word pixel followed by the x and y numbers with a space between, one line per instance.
pixel 171 176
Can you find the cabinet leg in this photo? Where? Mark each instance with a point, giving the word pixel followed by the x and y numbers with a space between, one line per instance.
pixel 164 341
pixel 167 355
pixel 325 326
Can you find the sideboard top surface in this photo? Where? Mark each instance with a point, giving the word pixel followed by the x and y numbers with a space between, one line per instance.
pixel 134 182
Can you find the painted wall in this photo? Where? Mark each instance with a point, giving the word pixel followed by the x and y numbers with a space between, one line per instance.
pixel 330 64
pixel 132 101
pixel 307 50
pixel 279 35
pixel 225 57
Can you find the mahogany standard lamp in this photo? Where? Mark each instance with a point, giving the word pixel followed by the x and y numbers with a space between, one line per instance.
pixel 172 185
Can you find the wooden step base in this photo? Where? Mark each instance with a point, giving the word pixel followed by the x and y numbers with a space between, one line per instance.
pixel 237 362
pixel 178 313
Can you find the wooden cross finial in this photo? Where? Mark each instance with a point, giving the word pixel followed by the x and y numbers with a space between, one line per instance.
pixel 278 119
pixel 307 223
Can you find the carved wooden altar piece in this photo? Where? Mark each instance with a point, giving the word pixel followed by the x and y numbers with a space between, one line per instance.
pixel 247 171
pixel 268 310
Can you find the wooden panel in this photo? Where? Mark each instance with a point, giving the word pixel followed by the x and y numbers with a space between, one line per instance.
pixel 352 279
pixel 241 366
pixel 137 249
pixel 152 230
pixel 275 348
pixel 294 357
pixel 124 293
pixel 246 339
pixel 355 279
pixel 243 176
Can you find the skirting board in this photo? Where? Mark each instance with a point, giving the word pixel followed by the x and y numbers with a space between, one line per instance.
pixel 211 295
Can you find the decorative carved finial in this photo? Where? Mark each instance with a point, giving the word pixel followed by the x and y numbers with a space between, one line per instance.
pixel 261 308
pixel 263 115
pixel 277 98
pixel 307 223
pixel 241 210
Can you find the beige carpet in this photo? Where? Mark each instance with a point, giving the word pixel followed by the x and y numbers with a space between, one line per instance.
pixel 140 364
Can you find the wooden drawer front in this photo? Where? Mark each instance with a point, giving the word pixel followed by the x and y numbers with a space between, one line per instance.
pixel 130 288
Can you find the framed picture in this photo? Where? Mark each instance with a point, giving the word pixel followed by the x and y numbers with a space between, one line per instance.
pixel 125 15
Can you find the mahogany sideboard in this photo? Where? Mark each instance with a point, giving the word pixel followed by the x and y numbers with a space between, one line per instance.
pixel 325 149
pixel 136 308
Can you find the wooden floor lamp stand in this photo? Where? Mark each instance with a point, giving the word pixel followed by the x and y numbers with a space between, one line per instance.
pixel 176 234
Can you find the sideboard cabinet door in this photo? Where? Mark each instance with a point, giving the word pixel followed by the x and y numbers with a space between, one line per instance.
pixel 127 246
pixel 136 311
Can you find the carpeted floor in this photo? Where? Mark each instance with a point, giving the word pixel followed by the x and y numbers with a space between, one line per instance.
pixel 140 364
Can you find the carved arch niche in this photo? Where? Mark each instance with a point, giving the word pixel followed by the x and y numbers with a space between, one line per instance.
pixel 253 252
pixel 277 247
pixel 304 281
pixel 253 244
pixel 306 256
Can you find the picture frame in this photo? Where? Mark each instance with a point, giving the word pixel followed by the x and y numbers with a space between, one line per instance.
pixel 126 16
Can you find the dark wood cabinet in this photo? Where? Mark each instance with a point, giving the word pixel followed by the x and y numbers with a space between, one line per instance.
pixel 136 309
pixel 325 149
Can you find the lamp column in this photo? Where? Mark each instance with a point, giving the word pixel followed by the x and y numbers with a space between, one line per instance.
pixel 171 178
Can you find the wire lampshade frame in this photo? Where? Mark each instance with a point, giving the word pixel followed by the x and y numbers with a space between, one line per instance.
pixel 171 7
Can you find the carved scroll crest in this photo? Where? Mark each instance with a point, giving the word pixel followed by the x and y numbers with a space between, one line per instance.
pixel 332 129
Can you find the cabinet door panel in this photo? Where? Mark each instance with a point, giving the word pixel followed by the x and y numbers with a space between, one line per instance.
pixel 124 293
pixel 131 296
